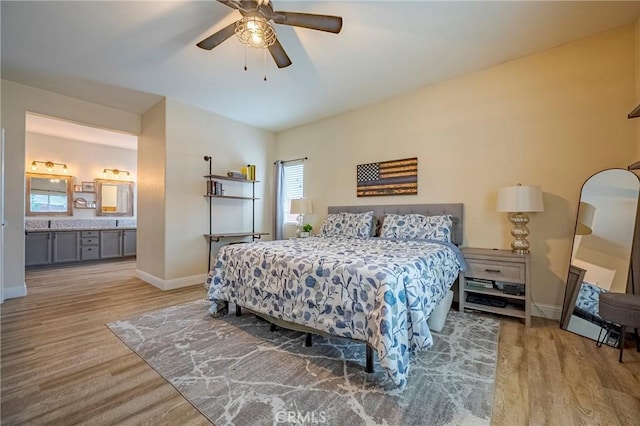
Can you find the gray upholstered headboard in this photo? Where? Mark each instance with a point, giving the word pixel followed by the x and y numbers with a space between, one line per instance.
pixel 454 209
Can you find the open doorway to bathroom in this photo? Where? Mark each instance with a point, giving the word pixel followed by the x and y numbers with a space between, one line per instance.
pixel 81 193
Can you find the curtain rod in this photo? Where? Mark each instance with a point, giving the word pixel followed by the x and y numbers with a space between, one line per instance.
pixel 289 161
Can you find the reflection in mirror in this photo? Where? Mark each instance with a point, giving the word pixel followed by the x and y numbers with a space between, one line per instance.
pixel 48 195
pixel 601 253
pixel 114 198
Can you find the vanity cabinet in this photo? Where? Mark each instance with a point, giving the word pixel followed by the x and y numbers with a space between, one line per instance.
pixel 89 249
pixel 45 248
pixel 50 248
pixel 129 242
pixel 110 244
pixel 117 243
pixel 38 248
pixel 66 246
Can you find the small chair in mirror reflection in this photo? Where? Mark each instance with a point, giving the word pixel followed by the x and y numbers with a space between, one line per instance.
pixel 620 309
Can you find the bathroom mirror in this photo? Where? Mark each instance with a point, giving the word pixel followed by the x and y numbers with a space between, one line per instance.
pixel 114 198
pixel 48 195
pixel 602 246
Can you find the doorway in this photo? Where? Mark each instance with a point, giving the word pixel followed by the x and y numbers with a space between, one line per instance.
pixel 79 232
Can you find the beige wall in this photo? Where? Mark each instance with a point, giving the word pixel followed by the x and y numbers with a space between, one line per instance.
pixel 637 120
pixel 86 161
pixel 180 142
pixel 193 133
pixel 17 100
pixel 551 119
pixel 151 192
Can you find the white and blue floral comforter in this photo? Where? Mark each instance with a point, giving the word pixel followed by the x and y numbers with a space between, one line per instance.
pixel 589 298
pixel 376 290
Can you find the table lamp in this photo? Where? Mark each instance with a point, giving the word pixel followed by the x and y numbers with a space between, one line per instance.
pixel 301 206
pixel 518 201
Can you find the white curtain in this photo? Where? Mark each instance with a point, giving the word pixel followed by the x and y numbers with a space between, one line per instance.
pixel 278 206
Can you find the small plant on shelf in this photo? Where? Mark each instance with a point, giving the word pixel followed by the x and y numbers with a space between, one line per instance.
pixel 306 230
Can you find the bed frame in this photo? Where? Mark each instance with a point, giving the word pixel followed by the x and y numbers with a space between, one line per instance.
pixel 456 210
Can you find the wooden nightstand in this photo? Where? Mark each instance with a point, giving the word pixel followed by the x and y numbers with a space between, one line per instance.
pixel 498 267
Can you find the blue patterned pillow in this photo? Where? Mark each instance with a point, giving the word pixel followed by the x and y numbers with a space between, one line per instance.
pixel 411 226
pixel 332 225
pixel 357 225
pixel 438 228
pixel 403 226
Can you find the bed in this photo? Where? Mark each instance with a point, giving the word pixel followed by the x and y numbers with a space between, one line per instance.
pixel 378 290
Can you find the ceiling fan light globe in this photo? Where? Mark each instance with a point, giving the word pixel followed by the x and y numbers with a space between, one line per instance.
pixel 255 31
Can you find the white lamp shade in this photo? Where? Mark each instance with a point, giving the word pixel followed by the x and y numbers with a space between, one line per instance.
pixel 586 216
pixel 520 199
pixel 301 206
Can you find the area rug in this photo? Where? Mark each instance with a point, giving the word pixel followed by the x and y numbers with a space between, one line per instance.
pixel 236 371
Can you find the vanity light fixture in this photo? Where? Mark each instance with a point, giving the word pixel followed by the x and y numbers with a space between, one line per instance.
pixel 518 201
pixel 115 172
pixel 50 165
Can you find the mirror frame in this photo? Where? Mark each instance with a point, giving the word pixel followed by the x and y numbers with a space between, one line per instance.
pixel 574 281
pixel 99 183
pixel 575 275
pixel 69 181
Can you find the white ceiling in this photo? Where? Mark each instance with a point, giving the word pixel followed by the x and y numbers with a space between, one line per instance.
pixel 129 55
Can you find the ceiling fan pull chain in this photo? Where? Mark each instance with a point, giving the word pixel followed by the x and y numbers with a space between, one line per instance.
pixel 265 64
pixel 245 57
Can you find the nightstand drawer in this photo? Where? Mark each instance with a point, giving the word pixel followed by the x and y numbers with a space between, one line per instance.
pixel 499 271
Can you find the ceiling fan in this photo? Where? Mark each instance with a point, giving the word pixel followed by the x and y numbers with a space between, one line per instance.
pixel 255 28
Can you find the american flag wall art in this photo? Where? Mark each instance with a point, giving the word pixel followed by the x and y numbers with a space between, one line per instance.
pixel 397 177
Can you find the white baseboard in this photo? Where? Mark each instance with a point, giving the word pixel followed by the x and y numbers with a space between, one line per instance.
pixel 546 311
pixel 171 284
pixel 13 292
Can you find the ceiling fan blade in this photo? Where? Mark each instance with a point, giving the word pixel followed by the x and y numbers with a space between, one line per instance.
pixel 279 55
pixel 330 24
pixel 217 38
pixel 231 3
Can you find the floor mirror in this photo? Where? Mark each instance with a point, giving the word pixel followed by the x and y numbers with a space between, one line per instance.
pixel 601 255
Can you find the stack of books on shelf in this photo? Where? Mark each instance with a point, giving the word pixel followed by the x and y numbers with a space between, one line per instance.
pixel 479 283
pixel 214 188
pixel 249 171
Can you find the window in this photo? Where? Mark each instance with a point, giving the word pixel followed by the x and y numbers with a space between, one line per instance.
pixel 293 187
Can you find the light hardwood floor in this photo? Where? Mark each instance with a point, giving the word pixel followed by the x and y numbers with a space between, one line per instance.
pixel 61 365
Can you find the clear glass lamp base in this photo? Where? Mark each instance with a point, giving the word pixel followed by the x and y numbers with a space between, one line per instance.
pixel 299 224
